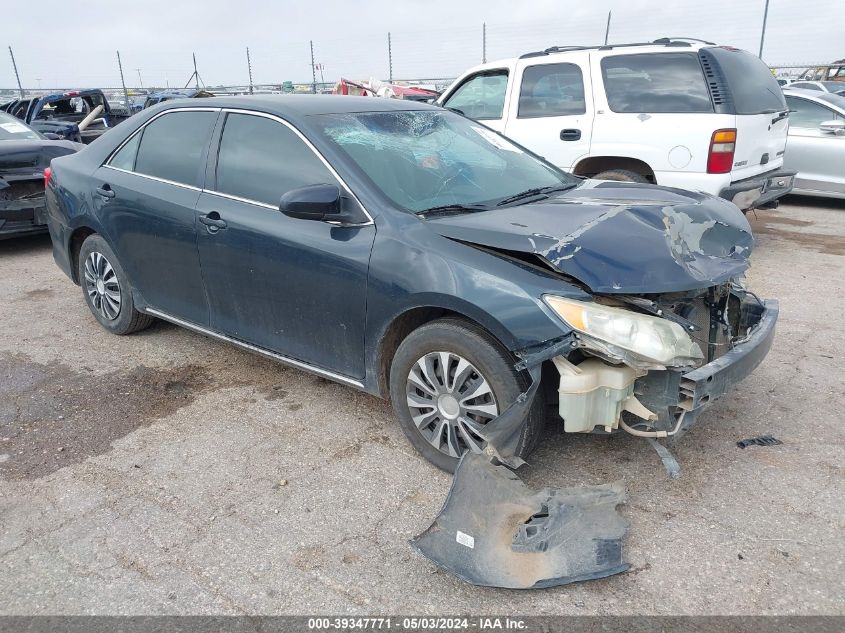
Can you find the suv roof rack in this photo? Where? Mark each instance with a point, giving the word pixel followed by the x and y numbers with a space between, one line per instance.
pixel 663 41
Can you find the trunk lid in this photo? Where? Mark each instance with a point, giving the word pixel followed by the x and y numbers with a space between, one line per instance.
pixel 618 237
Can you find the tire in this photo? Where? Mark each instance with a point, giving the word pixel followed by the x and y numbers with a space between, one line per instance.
pixel 457 340
pixel 621 175
pixel 107 290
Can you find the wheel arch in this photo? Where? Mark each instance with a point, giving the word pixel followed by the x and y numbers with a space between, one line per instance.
pixel 77 237
pixel 413 317
pixel 593 165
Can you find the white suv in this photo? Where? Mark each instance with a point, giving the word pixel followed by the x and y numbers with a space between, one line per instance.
pixel 676 112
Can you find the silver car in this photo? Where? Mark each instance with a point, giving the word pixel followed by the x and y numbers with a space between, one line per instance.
pixel 816 144
pixel 836 87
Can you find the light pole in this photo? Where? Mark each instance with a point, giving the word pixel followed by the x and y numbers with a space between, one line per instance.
pixel 763 32
pixel 141 83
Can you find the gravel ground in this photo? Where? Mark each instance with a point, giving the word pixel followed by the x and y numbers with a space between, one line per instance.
pixel 166 473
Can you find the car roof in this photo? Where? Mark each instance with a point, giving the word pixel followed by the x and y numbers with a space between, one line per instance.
pixel 304 105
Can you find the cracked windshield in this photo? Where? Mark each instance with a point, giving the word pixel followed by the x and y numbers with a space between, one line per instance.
pixel 432 161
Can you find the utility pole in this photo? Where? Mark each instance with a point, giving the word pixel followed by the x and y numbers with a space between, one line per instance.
pixel 313 70
pixel 140 83
pixel 389 58
pixel 123 83
pixel 196 74
pixel 17 76
pixel 484 42
pixel 763 32
pixel 249 68
pixel 607 29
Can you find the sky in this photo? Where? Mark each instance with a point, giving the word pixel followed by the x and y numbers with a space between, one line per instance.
pixel 429 38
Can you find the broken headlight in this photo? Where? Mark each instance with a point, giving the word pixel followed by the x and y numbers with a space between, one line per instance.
pixel 649 338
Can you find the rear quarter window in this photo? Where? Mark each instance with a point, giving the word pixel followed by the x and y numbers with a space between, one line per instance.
pixel 655 82
pixel 753 87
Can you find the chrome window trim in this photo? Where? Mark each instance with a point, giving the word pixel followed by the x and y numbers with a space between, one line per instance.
pixel 140 129
pixel 156 178
pixel 265 115
pixel 258 350
pixel 310 146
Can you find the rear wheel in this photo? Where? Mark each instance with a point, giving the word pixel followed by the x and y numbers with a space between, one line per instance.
pixel 106 288
pixel 622 175
pixel 448 380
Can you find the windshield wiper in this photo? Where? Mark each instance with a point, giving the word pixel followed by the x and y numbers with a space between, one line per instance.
pixel 453 208
pixel 531 193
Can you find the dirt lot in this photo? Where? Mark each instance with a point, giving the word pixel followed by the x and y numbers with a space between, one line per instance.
pixel 168 473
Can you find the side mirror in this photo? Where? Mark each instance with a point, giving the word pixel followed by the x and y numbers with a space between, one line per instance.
pixel 322 203
pixel 51 136
pixel 836 127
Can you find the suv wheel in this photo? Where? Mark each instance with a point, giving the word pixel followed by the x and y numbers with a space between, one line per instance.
pixel 106 288
pixel 622 175
pixel 448 379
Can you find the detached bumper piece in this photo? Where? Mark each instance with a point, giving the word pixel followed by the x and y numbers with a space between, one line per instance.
pixel 759 190
pixel 494 531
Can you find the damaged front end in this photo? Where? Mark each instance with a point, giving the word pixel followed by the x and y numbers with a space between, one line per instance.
pixel 654 380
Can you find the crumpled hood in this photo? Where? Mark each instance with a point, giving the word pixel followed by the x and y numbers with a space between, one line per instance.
pixel 619 237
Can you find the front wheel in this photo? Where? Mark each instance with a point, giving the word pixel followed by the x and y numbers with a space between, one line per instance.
pixel 448 380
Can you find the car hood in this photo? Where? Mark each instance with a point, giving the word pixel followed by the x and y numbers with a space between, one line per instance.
pixel 618 237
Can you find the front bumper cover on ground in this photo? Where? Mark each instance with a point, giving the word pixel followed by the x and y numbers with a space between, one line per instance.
pixel 495 531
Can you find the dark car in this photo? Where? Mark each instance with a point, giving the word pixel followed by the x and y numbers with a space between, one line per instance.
pixel 24 155
pixel 405 250
pixel 76 115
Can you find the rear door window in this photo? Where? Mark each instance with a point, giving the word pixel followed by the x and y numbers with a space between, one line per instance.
pixel 753 87
pixel 482 96
pixel 260 159
pixel 172 146
pixel 551 90
pixel 655 82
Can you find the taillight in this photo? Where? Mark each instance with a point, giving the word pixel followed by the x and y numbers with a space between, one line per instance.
pixel 48 174
pixel 720 159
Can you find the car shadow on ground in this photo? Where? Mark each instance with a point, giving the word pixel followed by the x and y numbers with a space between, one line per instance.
pixel 26 245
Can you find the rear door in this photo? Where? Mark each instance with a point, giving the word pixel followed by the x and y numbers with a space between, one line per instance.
pixel 762 119
pixel 145 197
pixel 817 156
pixel 296 287
pixel 655 106
pixel 551 111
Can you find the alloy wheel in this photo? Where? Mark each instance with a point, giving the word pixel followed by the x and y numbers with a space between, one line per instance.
pixel 102 286
pixel 450 402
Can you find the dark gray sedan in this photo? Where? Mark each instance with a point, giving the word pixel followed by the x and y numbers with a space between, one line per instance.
pixel 405 250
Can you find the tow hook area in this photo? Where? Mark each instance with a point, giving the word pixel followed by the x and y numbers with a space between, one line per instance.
pixel 495 531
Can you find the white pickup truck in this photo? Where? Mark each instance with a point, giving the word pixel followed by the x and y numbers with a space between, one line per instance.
pixel 676 112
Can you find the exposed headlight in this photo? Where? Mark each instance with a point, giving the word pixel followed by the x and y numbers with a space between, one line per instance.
pixel 650 338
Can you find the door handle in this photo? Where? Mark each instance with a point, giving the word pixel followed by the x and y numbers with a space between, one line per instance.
pixel 105 191
pixel 570 135
pixel 213 222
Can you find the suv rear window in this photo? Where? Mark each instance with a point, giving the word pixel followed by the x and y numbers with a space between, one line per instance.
pixel 753 87
pixel 655 82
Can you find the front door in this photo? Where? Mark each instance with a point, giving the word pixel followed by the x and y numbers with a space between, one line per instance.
pixel 814 153
pixel 296 287
pixel 146 199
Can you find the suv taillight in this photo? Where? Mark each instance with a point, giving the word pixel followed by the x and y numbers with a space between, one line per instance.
pixel 720 159
pixel 48 174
